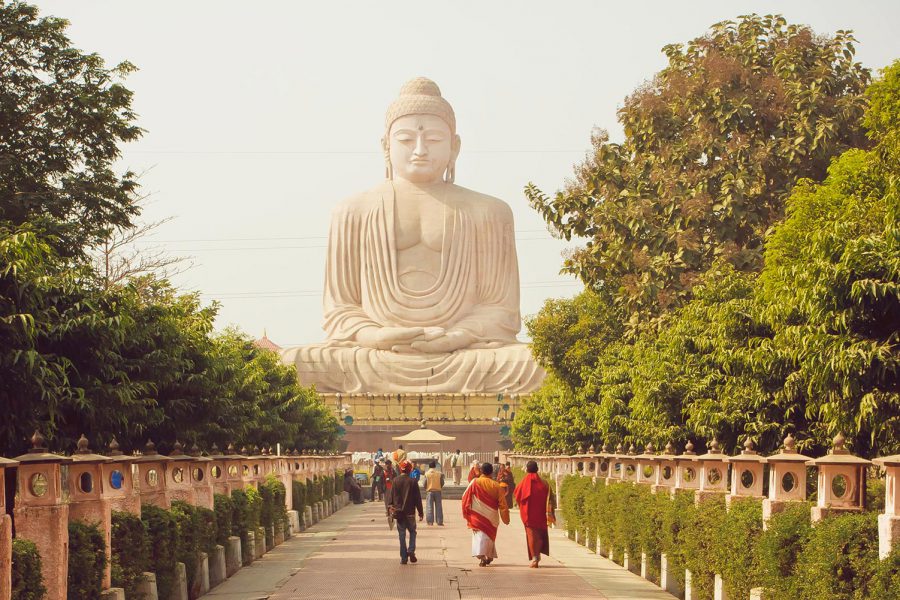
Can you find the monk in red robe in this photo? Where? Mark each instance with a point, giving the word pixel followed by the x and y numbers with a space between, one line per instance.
pixel 483 507
pixel 537 507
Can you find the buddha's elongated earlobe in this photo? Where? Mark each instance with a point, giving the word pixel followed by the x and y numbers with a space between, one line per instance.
pixel 388 167
pixel 450 173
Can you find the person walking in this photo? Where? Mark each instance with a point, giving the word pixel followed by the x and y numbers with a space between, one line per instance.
pixel 404 501
pixel 474 471
pixel 506 477
pixel 483 507
pixel 434 484
pixel 456 466
pixel 399 455
pixel 536 506
pixel 389 475
pixel 377 482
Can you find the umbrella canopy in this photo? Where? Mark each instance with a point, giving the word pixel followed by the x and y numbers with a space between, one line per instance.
pixel 423 435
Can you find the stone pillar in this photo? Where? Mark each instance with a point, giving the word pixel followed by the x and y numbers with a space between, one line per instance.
pixel 233 560
pixel 179 475
pixel 88 496
pixel 647 466
pixel 889 522
pixel 5 534
pixel 841 481
pixel 746 474
pixel 687 471
pixel 665 470
pixel 201 478
pixel 217 569
pixel 787 479
pixel 118 481
pixel 667 579
pixel 234 469
pixel 151 478
pixel 218 472
pixel 41 514
pixel 713 473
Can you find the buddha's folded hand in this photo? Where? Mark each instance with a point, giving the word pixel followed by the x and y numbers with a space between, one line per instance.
pixel 384 338
pixel 454 339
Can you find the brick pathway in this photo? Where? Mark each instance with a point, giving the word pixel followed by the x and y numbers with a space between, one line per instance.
pixel 353 556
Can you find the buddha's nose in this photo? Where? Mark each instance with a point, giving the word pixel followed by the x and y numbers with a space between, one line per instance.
pixel 421 148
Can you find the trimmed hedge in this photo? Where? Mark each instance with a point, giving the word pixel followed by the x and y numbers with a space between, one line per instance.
pixel 87 561
pixel 162 538
pixel 27 580
pixel 224 513
pixel 245 518
pixel 129 541
pixel 837 559
pixel 298 496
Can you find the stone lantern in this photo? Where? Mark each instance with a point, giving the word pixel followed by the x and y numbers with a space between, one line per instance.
pixel 150 470
pixel 713 471
pixel 5 533
pixel 629 464
pixel 603 465
pixel 118 482
pixel 787 478
pixel 666 469
pixel 179 480
pixel 234 469
pixel 746 473
pixel 255 469
pixel 647 465
pixel 841 481
pixel 41 513
pixel 687 472
pixel 889 522
pixel 88 496
pixel 201 479
pixel 218 471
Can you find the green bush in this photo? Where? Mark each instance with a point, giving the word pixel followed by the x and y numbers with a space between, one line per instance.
pixel 162 534
pixel 224 513
pixel 27 580
pixel 733 550
pixel 298 496
pixel 840 560
pixel 87 561
pixel 875 493
pixel 187 523
pixel 209 529
pixel 247 506
pixel 674 518
pixel 129 552
pixel 267 512
pixel 697 541
pixel 887 581
pixel 778 547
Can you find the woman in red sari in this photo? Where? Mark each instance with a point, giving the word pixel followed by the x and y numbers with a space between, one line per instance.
pixel 536 507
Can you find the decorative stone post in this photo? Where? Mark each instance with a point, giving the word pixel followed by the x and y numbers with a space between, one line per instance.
pixel 687 473
pixel 787 478
pixel 5 534
pixel 42 514
pixel 630 465
pixel 234 469
pixel 179 480
pixel 841 481
pixel 88 497
pixel 713 473
pixel 118 482
pixel 201 478
pixel 151 478
pixel 602 459
pixel 889 522
pixel 746 474
pixel 666 468
pixel 647 465
pixel 218 471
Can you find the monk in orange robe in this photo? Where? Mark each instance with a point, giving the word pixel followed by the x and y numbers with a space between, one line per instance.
pixel 536 507
pixel 483 507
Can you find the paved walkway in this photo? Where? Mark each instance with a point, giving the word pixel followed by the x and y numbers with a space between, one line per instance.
pixel 353 556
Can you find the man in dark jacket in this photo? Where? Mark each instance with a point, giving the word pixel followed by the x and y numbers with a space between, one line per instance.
pixel 404 501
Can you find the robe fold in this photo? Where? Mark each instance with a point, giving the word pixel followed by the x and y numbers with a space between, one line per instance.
pixel 483 507
pixel 534 500
pixel 476 290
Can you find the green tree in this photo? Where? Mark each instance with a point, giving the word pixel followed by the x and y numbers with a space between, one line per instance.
pixel 63 114
pixel 713 145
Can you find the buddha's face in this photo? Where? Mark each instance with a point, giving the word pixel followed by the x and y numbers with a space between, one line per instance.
pixel 421 147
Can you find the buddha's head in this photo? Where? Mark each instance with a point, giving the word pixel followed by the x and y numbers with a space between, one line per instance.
pixel 420 142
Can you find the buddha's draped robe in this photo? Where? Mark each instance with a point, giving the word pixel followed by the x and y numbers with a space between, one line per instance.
pixel 476 290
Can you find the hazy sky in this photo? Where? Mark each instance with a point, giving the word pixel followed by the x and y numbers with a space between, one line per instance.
pixel 261 116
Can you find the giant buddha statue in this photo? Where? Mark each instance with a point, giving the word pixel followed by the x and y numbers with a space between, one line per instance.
pixel 421 279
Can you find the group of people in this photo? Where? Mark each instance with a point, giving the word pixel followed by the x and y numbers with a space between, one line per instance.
pixel 485 503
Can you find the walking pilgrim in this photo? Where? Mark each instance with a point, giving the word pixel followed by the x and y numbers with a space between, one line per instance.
pixel 536 505
pixel 483 507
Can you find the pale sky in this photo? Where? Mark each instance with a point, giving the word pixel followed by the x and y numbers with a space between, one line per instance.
pixel 262 116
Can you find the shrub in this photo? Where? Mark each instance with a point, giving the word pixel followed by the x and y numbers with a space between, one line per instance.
pixel 298 495
pixel 162 534
pixel 209 530
pixel 247 506
pixel 875 493
pixel 778 546
pixel 27 580
pixel 87 561
pixel 887 581
pixel 129 552
pixel 266 512
pixel 840 559
pixel 224 513
pixel 673 519
pixel 650 528
pixel 737 537
pixel 697 540
pixel 187 547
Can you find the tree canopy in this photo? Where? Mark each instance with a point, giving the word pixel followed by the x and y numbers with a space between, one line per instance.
pixel 806 342
pixel 713 144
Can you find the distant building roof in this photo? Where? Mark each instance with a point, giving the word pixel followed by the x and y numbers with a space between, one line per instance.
pixel 264 343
